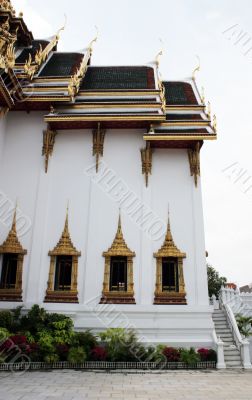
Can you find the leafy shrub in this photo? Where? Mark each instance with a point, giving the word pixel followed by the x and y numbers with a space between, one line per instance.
pixel 4 334
pixel 212 355
pixel 154 354
pixel 6 319
pixel 76 355
pixel 62 351
pixel 35 352
pixel 244 325
pixel 99 353
pixel 189 357
pixel 14 348
pixel 51 358
pixel 34 321
pixel 203 353
pixel 85 339
pixel 121 344
pixel 45 342
pixel 171 354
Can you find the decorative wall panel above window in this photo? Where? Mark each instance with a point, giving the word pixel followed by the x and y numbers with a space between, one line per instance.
pixel 11 266
pixel 118 286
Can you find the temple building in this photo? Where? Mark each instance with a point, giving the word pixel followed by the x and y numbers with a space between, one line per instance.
pixel 100 200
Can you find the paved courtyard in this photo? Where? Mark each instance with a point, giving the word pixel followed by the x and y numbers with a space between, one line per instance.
pixel 77 385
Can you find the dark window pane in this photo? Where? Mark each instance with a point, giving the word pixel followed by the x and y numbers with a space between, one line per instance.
pixel 118 274
pixel 170 274
pixel 9 271
pixel 63 273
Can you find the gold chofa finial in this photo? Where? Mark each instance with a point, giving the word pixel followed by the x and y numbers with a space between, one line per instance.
pixel 159 54
pixel 197 69
pixel 62 28
pixel 94 40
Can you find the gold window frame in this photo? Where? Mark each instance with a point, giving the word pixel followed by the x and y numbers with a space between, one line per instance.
pixel 169 250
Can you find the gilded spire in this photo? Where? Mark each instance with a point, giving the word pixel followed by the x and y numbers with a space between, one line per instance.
pixel 169 249
pixel 119 246
pixel 12 243
pixel 65 245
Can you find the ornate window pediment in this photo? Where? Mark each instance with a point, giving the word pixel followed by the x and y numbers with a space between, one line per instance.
pixel 118 286
pixel 12 257
pixel 63 274
pixel 170 286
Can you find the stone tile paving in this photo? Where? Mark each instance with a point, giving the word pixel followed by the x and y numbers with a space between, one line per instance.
pixel 174 385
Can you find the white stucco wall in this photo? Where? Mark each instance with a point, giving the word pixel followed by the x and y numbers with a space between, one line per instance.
pixel 93 220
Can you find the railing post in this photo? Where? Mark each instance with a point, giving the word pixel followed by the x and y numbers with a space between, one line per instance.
pixel 245 354
pixel 220 355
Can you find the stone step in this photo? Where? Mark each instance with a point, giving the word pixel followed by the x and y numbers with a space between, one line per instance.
pixel 233 364
pixel 232 358
pixel 228 343
pixel 220 327
pixel 219 319
pixel 226 338
pixel 222 330
pixel 231 352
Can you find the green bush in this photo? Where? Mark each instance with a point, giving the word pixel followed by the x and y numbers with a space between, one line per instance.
pixel 51 358
pixel 76 355
pixel 189 357
pixel 4 334
pixel 86 339
pixel 122 345
pixel 6 319
pixel 244 325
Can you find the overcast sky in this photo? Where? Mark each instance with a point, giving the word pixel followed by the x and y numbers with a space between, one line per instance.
pixel 220 32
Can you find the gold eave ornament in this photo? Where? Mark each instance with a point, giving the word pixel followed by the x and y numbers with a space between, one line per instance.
pixel 31 67
pixel 7 41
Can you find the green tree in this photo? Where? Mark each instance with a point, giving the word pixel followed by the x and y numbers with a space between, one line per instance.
pixel 215 281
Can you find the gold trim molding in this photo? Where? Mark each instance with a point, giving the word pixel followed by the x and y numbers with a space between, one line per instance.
pixel 98 143
pixel 194 161
pixel 118 248
pixel 146 157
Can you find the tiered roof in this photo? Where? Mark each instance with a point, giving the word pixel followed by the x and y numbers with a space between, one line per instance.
pixel 74 94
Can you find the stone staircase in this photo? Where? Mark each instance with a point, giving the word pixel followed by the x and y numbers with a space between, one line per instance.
pixel 231 353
